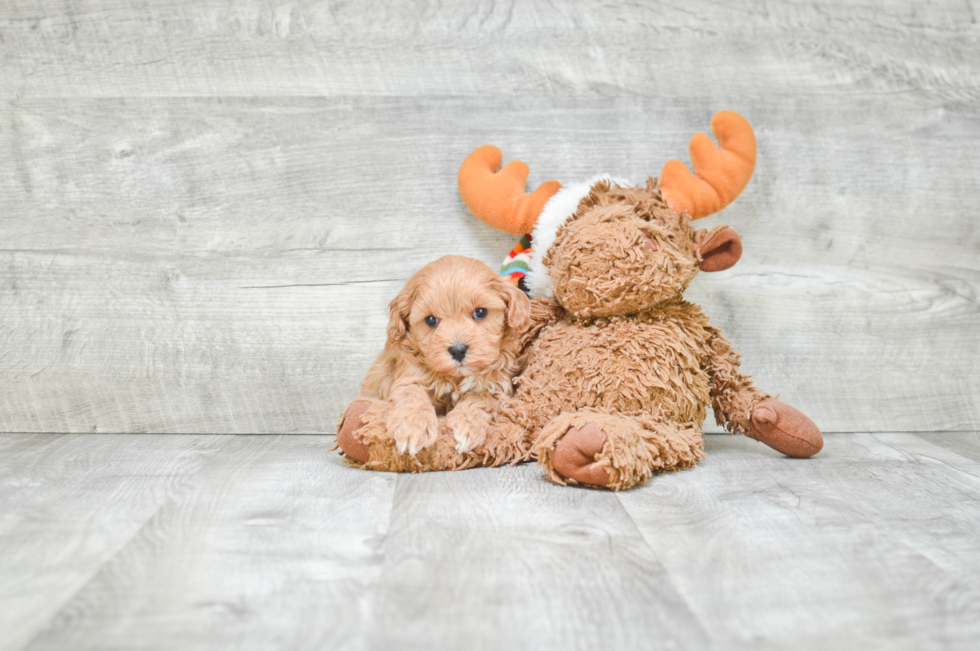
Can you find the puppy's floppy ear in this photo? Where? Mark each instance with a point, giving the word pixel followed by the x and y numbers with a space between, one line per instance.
pixel 518 312
pixel 399 311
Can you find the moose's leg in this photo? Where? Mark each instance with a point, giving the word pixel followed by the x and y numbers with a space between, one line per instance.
pixel 364 439
pixel 743 409
pixel 784 428
pixel 613 450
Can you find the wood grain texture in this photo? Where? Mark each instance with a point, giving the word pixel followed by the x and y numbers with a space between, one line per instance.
pixel 274 544
pixel 491 560
pixel 965 444
pixel 490 48
pixel 257 542
pixel 871 544
pixel 68 505
pixel 227 293
pixel 205 206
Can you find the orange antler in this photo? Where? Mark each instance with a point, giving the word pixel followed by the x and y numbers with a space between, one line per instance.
pixel 720 173
pixel 498 197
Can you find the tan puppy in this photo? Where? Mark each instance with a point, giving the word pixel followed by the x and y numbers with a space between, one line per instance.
pixel 453 340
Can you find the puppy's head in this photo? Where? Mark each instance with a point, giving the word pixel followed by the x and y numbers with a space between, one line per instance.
pixel 458 316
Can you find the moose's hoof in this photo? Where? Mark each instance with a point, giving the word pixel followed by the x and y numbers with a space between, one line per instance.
pixel 575 455
pixel 785 429
pixel 347 437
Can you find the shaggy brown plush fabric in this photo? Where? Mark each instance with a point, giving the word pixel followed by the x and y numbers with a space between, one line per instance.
pixel 636 445
pixel 601 268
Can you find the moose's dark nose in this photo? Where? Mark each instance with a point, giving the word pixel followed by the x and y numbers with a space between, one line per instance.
pixel 458 351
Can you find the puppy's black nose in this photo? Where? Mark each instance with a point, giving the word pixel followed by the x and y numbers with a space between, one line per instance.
pixel 458 351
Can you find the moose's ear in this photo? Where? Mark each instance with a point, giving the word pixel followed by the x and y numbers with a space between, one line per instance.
pixel 720 251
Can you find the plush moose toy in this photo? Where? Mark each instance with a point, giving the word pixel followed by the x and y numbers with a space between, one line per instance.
pixel 619 369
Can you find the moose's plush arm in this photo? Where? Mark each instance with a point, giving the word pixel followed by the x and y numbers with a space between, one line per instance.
pixel 743 409
pixel 733 396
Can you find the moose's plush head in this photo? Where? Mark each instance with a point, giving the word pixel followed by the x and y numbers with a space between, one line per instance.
pixel 607 248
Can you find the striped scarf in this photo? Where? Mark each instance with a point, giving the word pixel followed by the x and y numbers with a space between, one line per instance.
pixel 518 263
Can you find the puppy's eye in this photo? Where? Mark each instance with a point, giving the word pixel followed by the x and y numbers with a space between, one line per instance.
pixel 431 321
pixel 480 313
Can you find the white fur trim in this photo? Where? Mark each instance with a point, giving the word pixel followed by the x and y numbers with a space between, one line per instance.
pixel 558 209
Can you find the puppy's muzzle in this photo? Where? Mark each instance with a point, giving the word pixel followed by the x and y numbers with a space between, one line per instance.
pixel 458 351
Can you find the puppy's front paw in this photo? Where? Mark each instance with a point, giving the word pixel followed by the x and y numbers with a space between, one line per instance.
pixel 413 428
pixel 469 428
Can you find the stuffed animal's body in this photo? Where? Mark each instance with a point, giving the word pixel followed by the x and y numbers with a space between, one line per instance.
pixel 644 380
pixel 618 369
pixel 617 385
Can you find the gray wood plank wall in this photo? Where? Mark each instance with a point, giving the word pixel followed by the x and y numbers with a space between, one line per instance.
pixel 206 205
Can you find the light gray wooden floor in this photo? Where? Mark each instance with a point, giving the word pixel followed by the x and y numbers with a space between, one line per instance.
pixel 205 206
pixel 271 542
